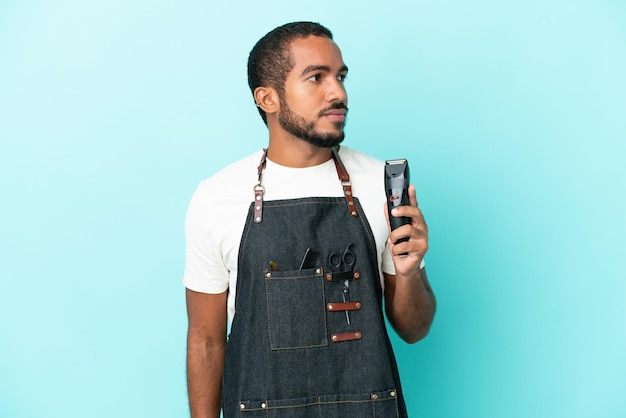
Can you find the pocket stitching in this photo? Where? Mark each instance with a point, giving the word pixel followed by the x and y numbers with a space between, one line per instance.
pixel 267 305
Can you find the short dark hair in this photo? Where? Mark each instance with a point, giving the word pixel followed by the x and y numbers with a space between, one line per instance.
pixel 270 60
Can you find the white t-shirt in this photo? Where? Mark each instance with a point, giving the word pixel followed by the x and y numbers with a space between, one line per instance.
pixel 218 209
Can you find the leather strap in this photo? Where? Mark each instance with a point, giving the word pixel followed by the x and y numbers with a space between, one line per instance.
pixel 344 178
pixel 346 336
pixel 343 275
pixel 259 190
pixel 344 306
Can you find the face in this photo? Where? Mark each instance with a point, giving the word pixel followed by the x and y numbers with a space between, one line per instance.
pixel 313 106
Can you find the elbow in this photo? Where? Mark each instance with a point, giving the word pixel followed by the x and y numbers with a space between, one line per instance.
pixel 416 334
pixel 413 331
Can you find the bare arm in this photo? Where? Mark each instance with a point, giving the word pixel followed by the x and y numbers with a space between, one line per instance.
pixel 206 344
pixel 410 306
pixel 409 300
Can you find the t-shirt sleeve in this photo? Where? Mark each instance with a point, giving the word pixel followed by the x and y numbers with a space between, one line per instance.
pixel 387 261
pixel 205 270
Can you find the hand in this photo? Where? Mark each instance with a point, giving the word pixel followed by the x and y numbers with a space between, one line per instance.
pixel 408 255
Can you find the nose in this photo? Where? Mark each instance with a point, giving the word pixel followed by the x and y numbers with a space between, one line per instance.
pixel 336 91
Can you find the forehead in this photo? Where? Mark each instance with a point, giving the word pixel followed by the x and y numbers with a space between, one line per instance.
pixel 315 51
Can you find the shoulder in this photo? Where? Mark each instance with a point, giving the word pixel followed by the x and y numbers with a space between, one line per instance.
pixel 230 190
pixel 234 175
pixel 367 178
pixel 359 160
pixel 366 172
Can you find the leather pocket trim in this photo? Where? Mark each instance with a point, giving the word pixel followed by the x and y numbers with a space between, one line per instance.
pixel 346 336
pixel 343 306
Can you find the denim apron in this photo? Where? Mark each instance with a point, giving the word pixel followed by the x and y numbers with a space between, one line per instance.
pixel 308 338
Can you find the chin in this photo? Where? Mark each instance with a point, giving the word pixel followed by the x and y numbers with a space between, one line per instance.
pixel 324 141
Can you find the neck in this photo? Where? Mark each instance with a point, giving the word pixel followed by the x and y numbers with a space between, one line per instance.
pixel 294 152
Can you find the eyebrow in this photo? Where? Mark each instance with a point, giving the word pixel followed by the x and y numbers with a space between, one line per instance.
pixel 324 68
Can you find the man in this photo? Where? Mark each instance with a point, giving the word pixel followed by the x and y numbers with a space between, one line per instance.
pixel 291 244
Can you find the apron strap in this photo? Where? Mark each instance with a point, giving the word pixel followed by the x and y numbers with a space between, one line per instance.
pixel 344 178
pixel 259 190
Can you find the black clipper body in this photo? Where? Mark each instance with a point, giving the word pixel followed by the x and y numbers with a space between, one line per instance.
pixel 397 189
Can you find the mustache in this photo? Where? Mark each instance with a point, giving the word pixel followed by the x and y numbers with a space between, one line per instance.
pixel 334 106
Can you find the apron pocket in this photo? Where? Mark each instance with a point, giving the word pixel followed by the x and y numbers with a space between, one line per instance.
pixel 296 312
pixel 376 405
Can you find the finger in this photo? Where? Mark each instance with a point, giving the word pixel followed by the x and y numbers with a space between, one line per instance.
pixel 412 212
pixel 417 247
pixel 412 232
pixel 417 218
pixel 412 200
pixel 412 196
pixel 419 221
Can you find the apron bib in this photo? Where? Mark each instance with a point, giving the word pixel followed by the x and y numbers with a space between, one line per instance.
pixel 308 338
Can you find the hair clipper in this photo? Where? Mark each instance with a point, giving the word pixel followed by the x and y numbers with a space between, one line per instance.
pixel 397 189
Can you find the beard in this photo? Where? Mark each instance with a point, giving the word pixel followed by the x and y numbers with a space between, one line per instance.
pixel 301 128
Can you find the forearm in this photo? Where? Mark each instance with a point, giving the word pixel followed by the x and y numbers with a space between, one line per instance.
pixel 205 364
pixel 410 305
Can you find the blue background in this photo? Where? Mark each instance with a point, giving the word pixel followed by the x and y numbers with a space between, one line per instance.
pixel 511 113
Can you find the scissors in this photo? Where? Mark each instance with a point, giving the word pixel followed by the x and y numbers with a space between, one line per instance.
pixel 343 263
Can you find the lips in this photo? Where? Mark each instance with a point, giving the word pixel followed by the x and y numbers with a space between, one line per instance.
pixel 336 114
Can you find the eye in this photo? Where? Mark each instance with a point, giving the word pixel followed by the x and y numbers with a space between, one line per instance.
pixel 315 78
pixel 342 77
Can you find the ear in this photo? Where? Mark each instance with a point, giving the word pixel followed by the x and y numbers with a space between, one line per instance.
pixel 267 99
